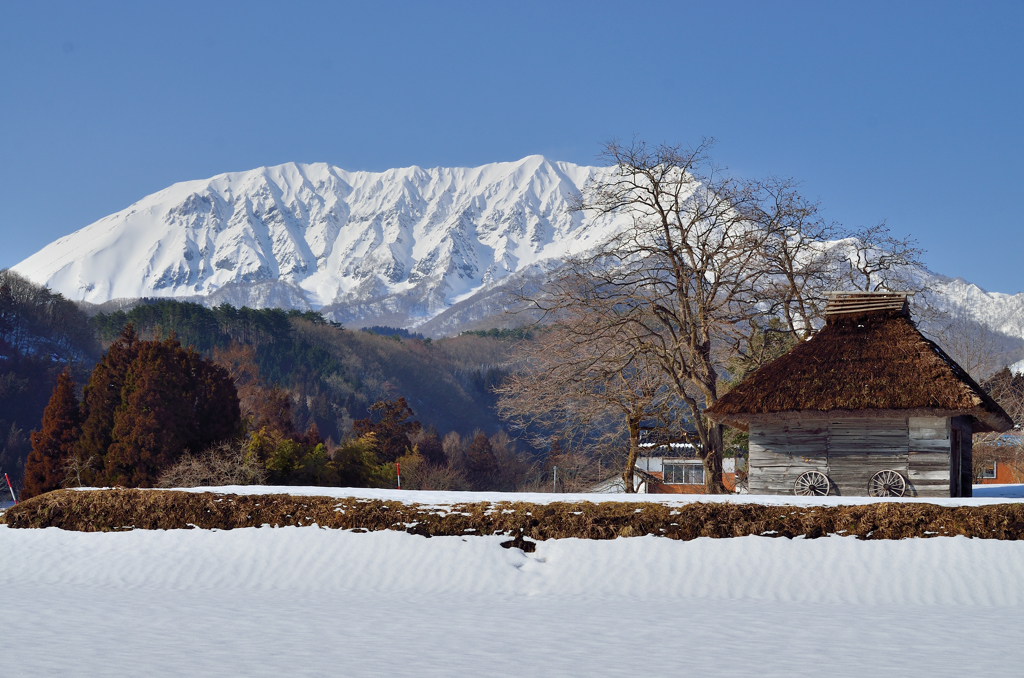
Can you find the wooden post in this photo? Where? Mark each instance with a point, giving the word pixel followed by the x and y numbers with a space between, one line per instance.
pixel 955 489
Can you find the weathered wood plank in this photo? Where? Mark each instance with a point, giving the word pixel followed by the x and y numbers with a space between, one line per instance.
pixel 876 424
pixel 929 428
pixel 935 476
pixel 866 460
pixel 929 462
pixel 929 446
pixel 935 456
pixel 929 469
pixel 929 491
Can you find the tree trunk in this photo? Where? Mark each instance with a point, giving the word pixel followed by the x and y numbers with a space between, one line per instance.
pixel 634 452
pixel 712 461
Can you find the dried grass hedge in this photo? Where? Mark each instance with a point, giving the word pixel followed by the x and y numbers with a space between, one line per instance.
pixel 123 509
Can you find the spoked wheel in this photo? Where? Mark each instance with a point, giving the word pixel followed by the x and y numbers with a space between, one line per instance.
pixel 812 484
pixel 887 484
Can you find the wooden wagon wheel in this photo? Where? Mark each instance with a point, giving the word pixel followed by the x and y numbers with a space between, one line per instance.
pixel 812 484
pixel 887 484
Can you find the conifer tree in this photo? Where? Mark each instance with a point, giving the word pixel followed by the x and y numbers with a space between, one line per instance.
pixel 172 400
pixel 430 446
pixel 54 445
pixel 392 430
pixel 102 395
pixel 482 462
pixel 150 426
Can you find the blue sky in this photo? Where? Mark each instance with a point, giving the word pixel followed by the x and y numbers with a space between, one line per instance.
pixel 910 112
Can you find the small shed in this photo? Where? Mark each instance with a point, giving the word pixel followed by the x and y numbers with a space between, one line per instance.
pixel 867 406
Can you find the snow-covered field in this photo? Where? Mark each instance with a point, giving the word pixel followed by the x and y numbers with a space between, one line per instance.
pixel 307 601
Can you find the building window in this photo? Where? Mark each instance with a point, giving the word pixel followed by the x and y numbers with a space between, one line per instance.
pixel 683 473
pixel 989 471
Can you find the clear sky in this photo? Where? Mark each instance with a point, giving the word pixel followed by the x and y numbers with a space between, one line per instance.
pixel 911 112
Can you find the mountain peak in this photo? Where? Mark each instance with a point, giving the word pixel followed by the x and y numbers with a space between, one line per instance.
pixel 410 239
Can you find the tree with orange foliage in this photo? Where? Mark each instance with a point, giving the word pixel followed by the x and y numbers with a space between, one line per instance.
pixel 262 407
pixel 54 445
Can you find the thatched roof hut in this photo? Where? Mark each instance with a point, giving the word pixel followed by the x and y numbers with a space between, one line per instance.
pixel 862 363
pixel 866 379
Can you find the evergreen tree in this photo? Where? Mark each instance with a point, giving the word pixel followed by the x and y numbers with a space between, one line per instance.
pixel 172 400
pixel 7 308
pixel 482 462
pixel 54 445
pixel 392 430
pixel 430 446
pixel 102 395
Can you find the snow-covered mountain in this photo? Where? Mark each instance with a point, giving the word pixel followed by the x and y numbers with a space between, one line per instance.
pixel 399 246
pixel 410 247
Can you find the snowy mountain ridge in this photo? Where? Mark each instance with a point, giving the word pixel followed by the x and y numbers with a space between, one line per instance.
pixel 411 240
pixel 407 247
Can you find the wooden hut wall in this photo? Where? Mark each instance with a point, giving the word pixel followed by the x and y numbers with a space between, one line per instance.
pixel 850 451
pixel 929 456
pixel 931 447
pixel 860 448
pixel 781 450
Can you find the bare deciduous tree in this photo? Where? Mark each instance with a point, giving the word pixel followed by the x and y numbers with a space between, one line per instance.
pixel 799 263
pixel 593 388
pixel 973 345
pixel 878 261
pixel 711 267
pixel 1008 449
pixel 229 463
pixel 76 470
pixel 685 280
pixel 1008 452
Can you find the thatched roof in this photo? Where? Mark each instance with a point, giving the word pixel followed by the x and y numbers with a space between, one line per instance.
pixel 867 363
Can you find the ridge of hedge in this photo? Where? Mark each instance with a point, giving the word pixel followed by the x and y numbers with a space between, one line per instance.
pixel 133 509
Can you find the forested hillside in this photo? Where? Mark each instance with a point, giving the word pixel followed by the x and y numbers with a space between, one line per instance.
pixel 331 375
pixel 40 333
pixel 334 375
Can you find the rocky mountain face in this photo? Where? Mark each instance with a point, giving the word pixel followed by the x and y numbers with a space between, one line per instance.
pixel 431 249
pixel 398 247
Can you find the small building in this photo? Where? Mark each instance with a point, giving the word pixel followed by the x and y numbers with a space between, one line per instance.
pixel 669 475
pixel 681 475
pixel 1000 473
pixel 867 406
pixel 1000 461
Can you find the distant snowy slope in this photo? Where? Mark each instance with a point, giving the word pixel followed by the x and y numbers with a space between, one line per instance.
pixel 1003 313
pixel 315 236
